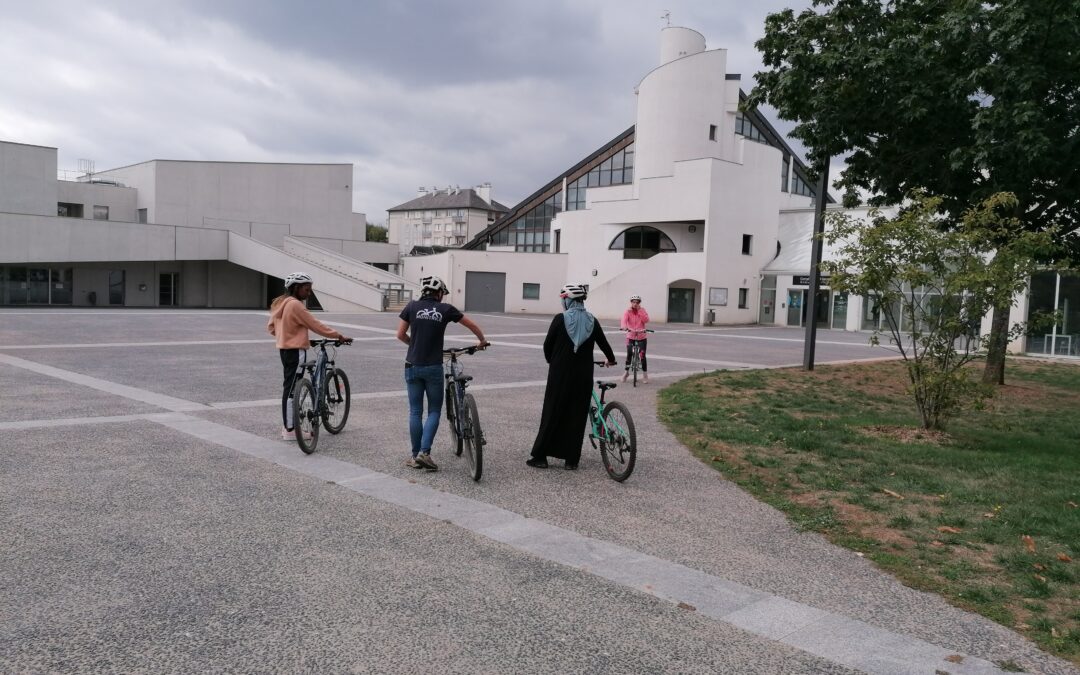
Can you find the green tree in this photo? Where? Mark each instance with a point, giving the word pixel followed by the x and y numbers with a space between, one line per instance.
pixel 934 284
pixel 376 233
pixel 961 98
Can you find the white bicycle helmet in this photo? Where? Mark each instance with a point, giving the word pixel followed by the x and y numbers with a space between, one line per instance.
pixel 635 297
pixel 573 291
pixel 433 283
pixel 297 278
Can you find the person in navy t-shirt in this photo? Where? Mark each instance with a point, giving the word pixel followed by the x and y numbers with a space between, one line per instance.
pixel 423 324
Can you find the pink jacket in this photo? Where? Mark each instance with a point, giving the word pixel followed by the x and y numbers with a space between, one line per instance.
pixel 290 322
pixel 635 321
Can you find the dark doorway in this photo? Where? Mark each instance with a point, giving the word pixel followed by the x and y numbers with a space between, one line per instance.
pixel 680 305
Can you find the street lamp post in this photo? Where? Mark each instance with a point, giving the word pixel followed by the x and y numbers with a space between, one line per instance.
pixel 810 343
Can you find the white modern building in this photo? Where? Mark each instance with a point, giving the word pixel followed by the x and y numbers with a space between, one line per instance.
pixel 702 209
pixel 184 234
pixel 442 218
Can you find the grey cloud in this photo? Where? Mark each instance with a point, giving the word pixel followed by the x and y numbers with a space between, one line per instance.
pixel 411 93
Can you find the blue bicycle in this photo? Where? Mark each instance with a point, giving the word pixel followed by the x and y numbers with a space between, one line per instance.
pixel 461 413
pixel 330 406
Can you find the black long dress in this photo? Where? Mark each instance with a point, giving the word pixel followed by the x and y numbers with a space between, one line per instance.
pixel 566 398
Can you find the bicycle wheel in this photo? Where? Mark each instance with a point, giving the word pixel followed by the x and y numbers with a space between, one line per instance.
pixel 474 438
pixel 635 363
pixel 305 419
pixel 618 441
pixel 451 417
pixel 337 402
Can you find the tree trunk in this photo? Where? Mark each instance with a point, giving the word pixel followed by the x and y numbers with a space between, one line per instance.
pixel 994 373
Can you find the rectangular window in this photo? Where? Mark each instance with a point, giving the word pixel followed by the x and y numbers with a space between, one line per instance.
pixel 68 210
pixel 743 293
pixel 712 132
pixel 101 212
pixel 140 215
pixel 530 291
pixel 784 170
pixel 747 243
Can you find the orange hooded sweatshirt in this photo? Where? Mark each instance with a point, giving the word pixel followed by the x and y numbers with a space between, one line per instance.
pixel 290 322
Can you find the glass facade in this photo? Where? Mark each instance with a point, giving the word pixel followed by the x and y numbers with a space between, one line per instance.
pixel 744 127
pixel 531 232
pixel 35 285
pixel 615 170
pixel 1058 295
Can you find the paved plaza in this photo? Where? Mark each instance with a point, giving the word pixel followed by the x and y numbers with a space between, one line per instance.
pixel 153 520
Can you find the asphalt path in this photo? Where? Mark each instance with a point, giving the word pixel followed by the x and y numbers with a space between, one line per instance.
pixel 152 519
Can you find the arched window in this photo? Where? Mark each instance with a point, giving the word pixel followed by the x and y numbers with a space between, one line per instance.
pixel 642 242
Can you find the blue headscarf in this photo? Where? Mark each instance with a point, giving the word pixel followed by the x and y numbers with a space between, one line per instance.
pixel 579 323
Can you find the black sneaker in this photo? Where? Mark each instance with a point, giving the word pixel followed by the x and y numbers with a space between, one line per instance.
pixel 537 462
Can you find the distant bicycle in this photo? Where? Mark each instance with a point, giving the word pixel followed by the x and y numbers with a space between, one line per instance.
pixel 462 414
pixel 329 407
pixel 612 430
pixel 635 351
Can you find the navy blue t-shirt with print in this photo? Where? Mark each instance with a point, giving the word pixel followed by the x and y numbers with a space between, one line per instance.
pixel 427 319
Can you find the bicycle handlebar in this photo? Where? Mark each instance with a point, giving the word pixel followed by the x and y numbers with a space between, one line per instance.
pixel 336 343
pixel 644 330
pixel 465 350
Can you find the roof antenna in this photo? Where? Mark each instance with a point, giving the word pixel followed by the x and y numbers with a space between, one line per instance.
pixel 666 16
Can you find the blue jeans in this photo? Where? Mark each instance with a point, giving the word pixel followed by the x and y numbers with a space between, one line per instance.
pixel 418 381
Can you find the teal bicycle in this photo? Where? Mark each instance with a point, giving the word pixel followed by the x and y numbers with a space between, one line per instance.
pixel 612 430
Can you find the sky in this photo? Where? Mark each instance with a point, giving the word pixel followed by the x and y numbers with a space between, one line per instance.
pixel 411 93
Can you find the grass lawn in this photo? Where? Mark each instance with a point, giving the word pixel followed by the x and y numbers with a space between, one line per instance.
pixel 985 514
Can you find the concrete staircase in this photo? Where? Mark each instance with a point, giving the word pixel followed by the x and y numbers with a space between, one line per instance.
pixel 395 289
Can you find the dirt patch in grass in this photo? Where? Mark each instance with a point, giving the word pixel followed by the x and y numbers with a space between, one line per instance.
pixel 907 434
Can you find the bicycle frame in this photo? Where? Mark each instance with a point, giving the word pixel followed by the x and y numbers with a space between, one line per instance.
pixel 318 371
pixel 452 372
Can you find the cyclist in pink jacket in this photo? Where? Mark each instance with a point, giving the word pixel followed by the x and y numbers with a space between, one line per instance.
pixel 633 321
pixel 289 323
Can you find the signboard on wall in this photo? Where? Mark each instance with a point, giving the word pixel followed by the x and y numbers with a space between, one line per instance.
pixel 718 296
pixel 804 280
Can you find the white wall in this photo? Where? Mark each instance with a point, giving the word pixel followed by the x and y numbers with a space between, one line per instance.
pixel 677 103
pixel 309 199
pixel 546 269
pixel 27 179
pixel 41 238
pixel 119 200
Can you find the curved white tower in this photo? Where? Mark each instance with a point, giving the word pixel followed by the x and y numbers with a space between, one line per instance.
pixel 680 104
pixel 676 43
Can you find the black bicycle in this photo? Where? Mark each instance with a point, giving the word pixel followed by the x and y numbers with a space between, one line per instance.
pixel 635 351
pixel 328 408
pixel 611 428
pixel 461 412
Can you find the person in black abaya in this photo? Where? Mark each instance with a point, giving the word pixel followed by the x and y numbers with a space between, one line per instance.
pixel 568 349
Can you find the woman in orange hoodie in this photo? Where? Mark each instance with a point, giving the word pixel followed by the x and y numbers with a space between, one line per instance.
pixel 290 322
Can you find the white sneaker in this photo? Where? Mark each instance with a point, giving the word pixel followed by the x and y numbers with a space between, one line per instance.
pixel 287 435
pixel 625 375
pixel 644 378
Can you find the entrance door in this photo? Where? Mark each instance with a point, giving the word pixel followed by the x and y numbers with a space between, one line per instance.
pixel 795 306
pixel 680 305
pixel 116 287
pixel 485 292
pixel 168 292
pixel 768 306
pixel 821 308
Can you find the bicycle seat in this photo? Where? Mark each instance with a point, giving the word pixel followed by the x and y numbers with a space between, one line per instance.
pixel 604 386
